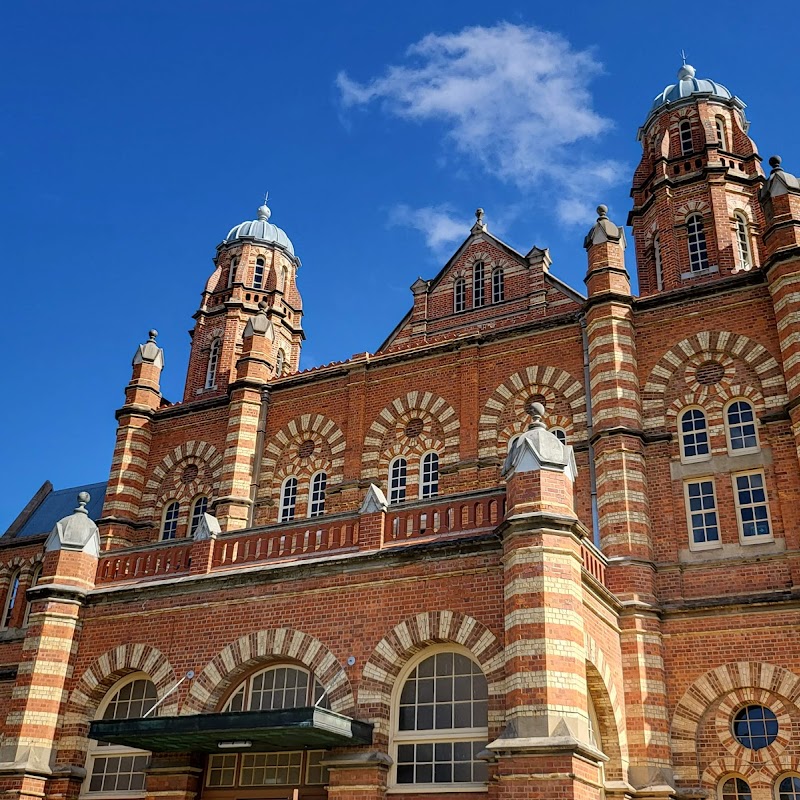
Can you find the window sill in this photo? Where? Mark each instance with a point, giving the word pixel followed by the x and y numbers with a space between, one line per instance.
pixel 440 788
pixel 700 273
pixel 758 539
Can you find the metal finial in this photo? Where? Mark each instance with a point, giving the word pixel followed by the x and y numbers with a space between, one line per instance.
pixel 683 57
pixel 152 333
pixel 266 198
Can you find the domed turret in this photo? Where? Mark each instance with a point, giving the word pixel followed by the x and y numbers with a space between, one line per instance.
pixel 689 86
pixel 261 230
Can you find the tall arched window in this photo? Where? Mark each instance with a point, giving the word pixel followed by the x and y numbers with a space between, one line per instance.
pixel 113 768
pixel 722 138
pixel 232 271
pixel 694 435
pixel 397 480
pixel 198 509
pixel 498 285
pixel 735 789
pixel 686 137
pixel 441 722
pixel 316 500
pixel 280 361
pixel 288 499
pixel 478 276
pixel 698 251
pixel 284 279
pixel 37 573
pixel 789 788
pixel 740 425
pixel 657 261
pixel 459 295
pixel 258 274
pixel 11 599
pixel 213 363
pixel 169 525
pixel 743 240
pixel 429 475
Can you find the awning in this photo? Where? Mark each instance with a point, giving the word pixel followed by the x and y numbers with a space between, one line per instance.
pixel 288 729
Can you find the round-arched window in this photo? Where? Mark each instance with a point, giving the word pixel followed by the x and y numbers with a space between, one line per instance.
pixel 735 789
pixel 755 727
pixel 789 788
pixel 276 688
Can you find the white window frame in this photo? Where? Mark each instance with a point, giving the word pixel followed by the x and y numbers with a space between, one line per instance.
pixel 560 434
pixel 478 284
pixel 733 776
pixel 459 295
pixel 398 737
pixel 288 505
pixel 258 273
pixel 314 688
pixel 697 244
pixel 683 434
pixel 214 353
pixel 284 278
pixel 426 492
pixel 398 492
pixel 744 246
pixel 782 777
pixel 10 603
pixel 687 146
pixel 722 132
pixel 759 537
pixel 498 285
pixel 174 522
pixel 193 523
pixel 96 750
pixel 35 575
pixel 317 496
pixel 280 361
pixel 232 271
pixel 740 451
pixel 659 265
pixel 707 544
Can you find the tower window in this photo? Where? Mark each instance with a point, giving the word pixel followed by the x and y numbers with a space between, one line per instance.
pixel 280 361
pixel 169 526
pixel 232 271
pixel 657 260
pixel 498 285
pixel 284 278
pixel 686 137
pixel 288 499
pixel 459 295
pixel 258 275
pixel 722 139
pixel 397 480
pixel 429 478
pixel 743 240
pixel 698 251
pixel 213 363
pixel 478 275
pixel 198 509
pixel 316 505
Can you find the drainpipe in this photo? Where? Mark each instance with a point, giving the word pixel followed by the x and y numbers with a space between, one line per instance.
pixel 590 430
pixel 258 455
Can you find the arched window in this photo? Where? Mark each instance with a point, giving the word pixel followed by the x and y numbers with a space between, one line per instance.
pixel 11 599
pixel 478 275
pixel 213 363
pixel 169 525
pixel 429 475
pixel 198 509
pixel 498 285
pixel 740 425
pixel 280 360
pixel 441 722
pixel 37 573
pixel 397 480
pixel 284 278
pixel 789 788
pixel 316 501
pixel 686 137
pixel 560 434
pixel 693 429
pixel 288 499
pixel 113 768
pixel 698 251
pixel 743 240
pixel 258 274
pixel 722 138
pixel 459 295
pixel 735 789
pixel 658 264
pixel 232 271
pixel 275 688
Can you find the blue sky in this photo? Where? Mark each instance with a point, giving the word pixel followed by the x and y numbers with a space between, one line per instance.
pixel 137 134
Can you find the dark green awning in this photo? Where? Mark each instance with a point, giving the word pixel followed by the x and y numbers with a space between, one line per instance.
pixel 289 729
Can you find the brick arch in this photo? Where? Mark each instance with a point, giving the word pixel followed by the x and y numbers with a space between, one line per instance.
pixel 231 664
pixel 410 637
pixel 702 207
pixel 430 407
pixel 14 564
pixel 709 345
pixel 707 689
pixel 319 429
pixel 200 453
pixel 733 768
pixel 546 380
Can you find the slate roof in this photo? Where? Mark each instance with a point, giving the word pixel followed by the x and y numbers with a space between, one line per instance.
pixel 58 504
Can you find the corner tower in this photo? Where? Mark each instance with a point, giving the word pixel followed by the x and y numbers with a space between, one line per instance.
pixel 696 216
pixel 255 265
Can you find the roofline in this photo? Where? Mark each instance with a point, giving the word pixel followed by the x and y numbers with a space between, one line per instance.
pixel 30 508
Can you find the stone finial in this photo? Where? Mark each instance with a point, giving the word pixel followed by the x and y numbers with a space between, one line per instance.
pixel 480 224
pixel 149 352
pixel 374 501
pixel 779 182
pixel 604 230
pixel 76 532
pixel 537 417
pixel 259 324
pixel 538 449
pixel 207 528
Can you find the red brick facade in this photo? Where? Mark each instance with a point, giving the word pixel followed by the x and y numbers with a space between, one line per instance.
pixel 367 516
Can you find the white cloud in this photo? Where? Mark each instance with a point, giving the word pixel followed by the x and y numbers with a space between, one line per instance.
pixel 440 225
pixel 513 98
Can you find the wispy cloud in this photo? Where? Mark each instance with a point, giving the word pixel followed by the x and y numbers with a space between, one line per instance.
pixel 440 225
pixel 513 98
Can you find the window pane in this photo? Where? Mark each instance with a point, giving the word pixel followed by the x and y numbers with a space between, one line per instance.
pixel 751 503
pixel 702 512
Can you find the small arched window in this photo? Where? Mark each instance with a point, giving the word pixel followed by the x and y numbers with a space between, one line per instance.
pixel 789 788
pixel 560 434
pixel 213 363
pixel 37 573
pixel 722 138
pixel 232 271
pixel 441 722
pixel 693 429
pixel 429 475
pixel 288 499
pixel 280 361
pixel 740 425
pixel 397 480
pixel 11 599
pixel 735 789
pixel 743 240
pixel 169 525
pixel 275 689
pixel 198 509
pixel 657 261
pixel 459 295
pixel 284 278
pixel 698 251
pixel 498 285
pixel 478 276
pixel 258 274
pixel 686 137
pixel 316 501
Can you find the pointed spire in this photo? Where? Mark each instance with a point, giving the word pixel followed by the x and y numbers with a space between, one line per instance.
pixel 779 182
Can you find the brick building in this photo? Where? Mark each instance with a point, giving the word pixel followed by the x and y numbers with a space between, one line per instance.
pixel 539 545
